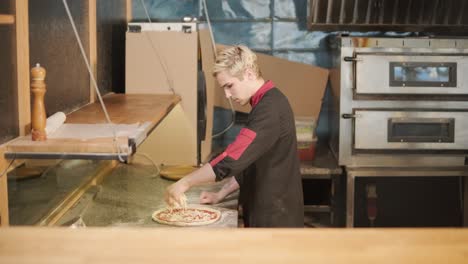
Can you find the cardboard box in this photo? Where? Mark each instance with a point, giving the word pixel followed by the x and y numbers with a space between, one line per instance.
pixel 153 57
pixel 303 84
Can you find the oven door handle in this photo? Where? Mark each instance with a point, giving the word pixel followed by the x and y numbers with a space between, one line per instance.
pixel 351 59
pixel 350 116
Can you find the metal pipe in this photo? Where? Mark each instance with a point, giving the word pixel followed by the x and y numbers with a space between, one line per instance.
pixel 315 6
pixel 342 11
pixel 448 10
pixel 395 9
pixel 434 13
pixel 381 11
pixel 355 11
pixel 369 10
pixel 408 12
pixel 329 11
pixel 421 13
pixel 460 14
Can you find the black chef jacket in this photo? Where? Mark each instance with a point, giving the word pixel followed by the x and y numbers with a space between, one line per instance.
pixel 265 161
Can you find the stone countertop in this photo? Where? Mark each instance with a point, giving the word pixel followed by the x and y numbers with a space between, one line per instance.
pixel 131 193
pixel 324 164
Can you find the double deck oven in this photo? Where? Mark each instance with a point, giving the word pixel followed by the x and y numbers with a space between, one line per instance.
pixel 401 102
pixel 399 108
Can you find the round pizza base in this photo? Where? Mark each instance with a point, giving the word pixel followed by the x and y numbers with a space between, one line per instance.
pixel 210 221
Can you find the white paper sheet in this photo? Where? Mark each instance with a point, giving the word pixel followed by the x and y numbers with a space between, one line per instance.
pixel 90 131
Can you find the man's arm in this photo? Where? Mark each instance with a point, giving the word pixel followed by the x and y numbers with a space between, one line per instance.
pixel 214 198
pixel 176 190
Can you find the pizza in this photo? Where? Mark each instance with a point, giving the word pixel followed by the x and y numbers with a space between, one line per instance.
pixel 187 216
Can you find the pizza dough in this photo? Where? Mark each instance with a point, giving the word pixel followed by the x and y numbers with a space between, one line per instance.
pixel 188 216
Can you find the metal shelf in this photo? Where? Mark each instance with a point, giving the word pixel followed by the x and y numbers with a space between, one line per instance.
pixel 317 208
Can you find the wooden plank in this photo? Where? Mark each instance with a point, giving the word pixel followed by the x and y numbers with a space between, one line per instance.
pixel 7 19
pixel 4 217
pixel 126 109
pixel 68 146
pixel 4 163
pixel 183 245
pixel 122 109
pixel 21 42
pixel 92 47
pixel 22 62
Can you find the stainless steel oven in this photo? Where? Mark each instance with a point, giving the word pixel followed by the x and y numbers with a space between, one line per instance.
pixel 401 102
pixel 403 73
pixel 400 108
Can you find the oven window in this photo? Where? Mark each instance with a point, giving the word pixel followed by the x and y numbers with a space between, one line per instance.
pixel 423 74
pixel 421 130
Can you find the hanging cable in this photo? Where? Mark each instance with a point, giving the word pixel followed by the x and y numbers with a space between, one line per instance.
pixel 146 10
pixel 93 80
pixel 161 60
pixel 213 44
pixel 158 169
pixel 166 69
pixel 233 119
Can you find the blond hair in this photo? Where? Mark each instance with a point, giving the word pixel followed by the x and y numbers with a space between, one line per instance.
pixel 235 60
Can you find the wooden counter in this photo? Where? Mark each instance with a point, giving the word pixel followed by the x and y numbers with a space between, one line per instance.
pixel 7 19
pixel 127 109
pixel 122 109
pixel 185 245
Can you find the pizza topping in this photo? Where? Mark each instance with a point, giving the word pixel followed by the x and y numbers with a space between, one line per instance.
pixel 186 216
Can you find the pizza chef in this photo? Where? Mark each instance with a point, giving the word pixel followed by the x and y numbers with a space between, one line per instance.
pixel 263 156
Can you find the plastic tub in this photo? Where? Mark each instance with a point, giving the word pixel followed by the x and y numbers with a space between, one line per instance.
pixel 306 149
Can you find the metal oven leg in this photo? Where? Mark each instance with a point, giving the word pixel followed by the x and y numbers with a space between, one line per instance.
pixel 350 200
pixel 465 202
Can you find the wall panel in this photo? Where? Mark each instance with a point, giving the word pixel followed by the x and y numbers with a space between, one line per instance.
pixel 53 45
pixel 111 26
pixel 8 94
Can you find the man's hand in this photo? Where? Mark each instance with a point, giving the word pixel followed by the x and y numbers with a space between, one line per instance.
pixel 210 197
pixel 175 192
pixel 213 198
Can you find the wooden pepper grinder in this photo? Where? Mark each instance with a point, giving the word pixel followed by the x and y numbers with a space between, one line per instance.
pixel 38 113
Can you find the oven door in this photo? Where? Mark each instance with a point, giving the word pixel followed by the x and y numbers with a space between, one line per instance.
pixel 403 74
pixel 410 130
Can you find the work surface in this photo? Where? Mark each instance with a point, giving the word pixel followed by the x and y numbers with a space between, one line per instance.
pixel 131 193
pixel 99 245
